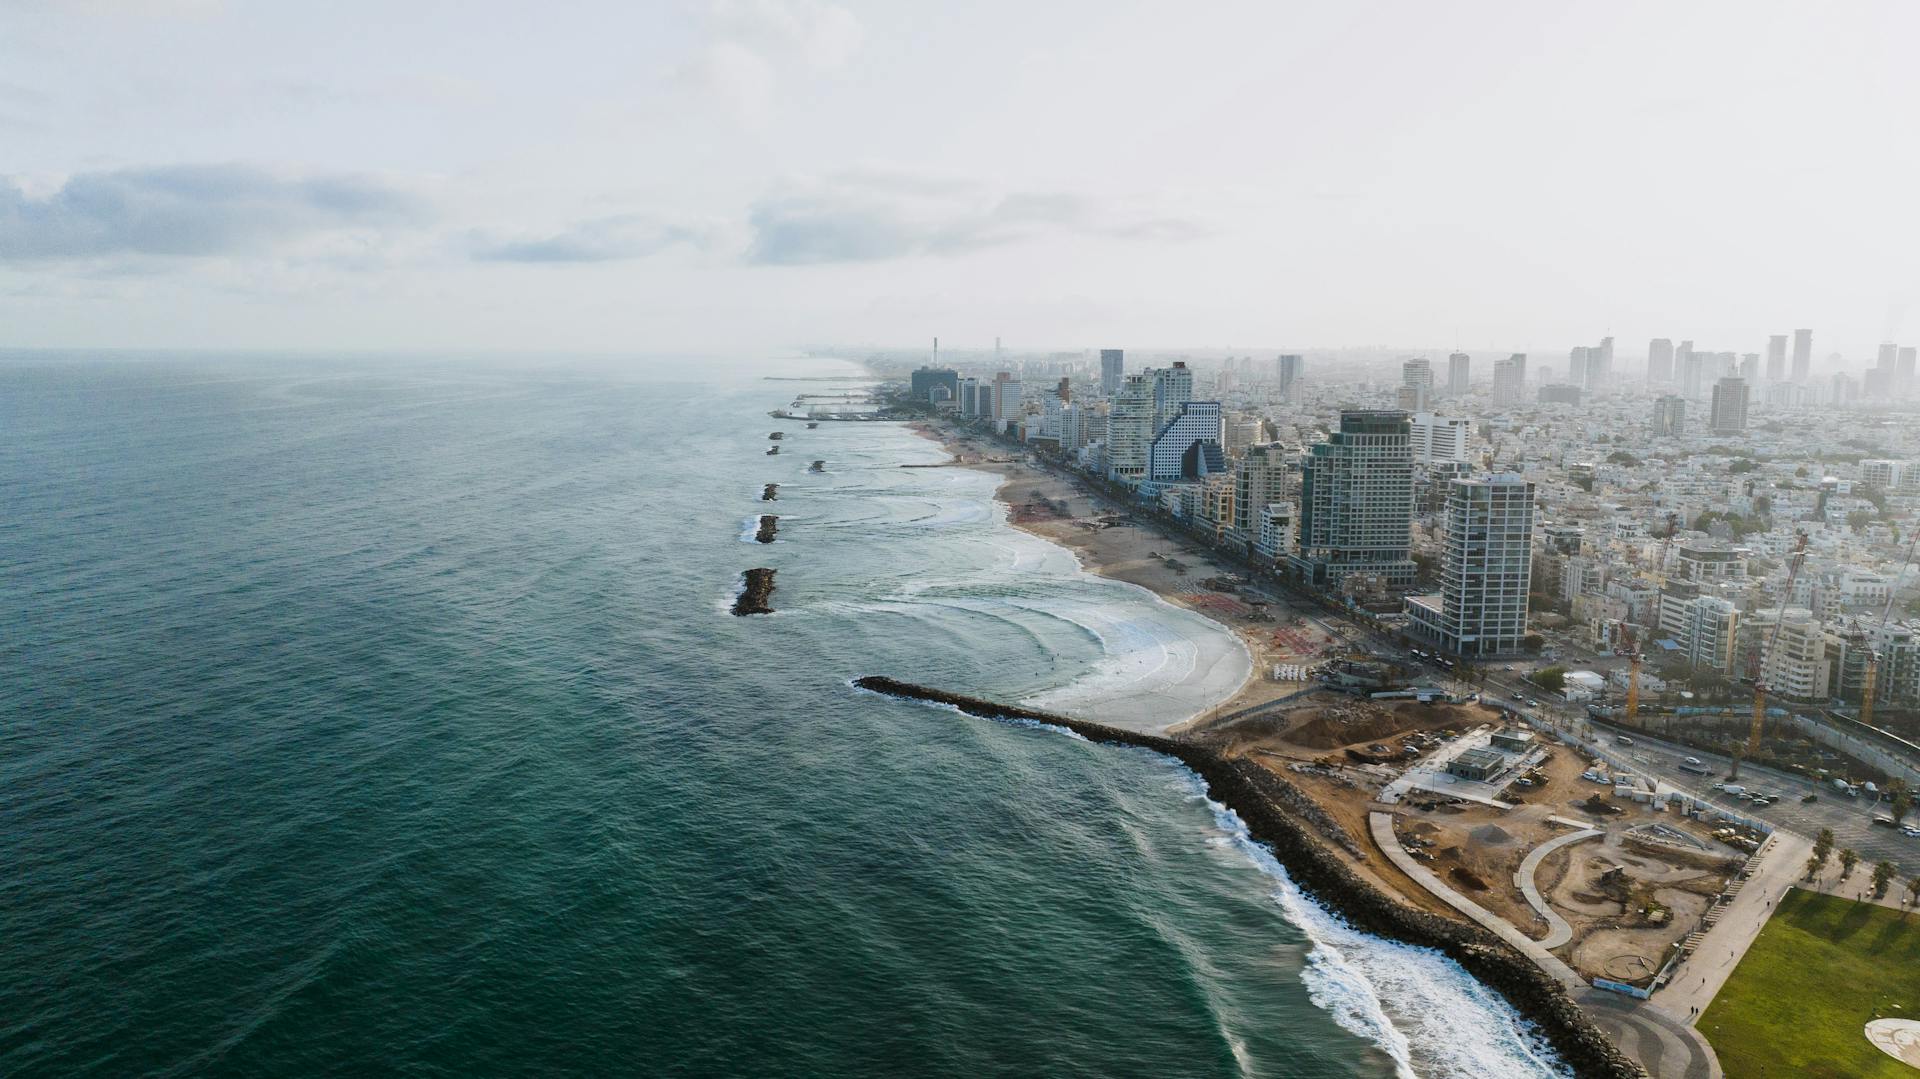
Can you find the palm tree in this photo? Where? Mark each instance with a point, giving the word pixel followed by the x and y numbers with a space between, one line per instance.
pixel 1882 876
pixel 1848 859
pixel 1899 799
pixel 1913 891
pixel 1816 862
pixel 1823 843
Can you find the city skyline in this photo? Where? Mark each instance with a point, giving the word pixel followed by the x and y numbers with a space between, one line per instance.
pixel 734 176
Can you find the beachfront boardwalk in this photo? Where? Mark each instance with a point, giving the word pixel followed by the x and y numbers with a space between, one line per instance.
pixel 1558 931
pixel 1700 977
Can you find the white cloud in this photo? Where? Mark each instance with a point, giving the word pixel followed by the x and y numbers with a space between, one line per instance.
pixel 754 45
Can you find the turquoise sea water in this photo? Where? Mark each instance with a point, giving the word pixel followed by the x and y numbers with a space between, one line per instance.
pixel 384 717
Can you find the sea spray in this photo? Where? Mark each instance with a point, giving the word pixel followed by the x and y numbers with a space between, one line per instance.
pixel 1454 1027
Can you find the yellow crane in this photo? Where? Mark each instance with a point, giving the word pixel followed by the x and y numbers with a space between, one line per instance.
pixel 1766 659
pixel 1625 645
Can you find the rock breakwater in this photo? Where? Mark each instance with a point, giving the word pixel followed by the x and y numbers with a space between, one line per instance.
pixel 770 492
pixel 769 525
pixel 1284 818
pixel 754 592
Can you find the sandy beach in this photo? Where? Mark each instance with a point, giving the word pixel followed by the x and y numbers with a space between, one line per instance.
pixel 1059 507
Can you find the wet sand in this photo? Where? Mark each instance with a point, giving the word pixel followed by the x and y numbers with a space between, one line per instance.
pixel 1140 554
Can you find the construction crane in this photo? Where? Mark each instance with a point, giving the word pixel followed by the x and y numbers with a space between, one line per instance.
pixel 1624 644
pixel 1766 660
pixel 1873 649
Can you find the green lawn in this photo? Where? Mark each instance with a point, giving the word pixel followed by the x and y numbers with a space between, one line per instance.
pixel 1820 970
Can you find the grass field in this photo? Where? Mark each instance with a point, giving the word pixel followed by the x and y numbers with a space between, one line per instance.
pixel 1820 970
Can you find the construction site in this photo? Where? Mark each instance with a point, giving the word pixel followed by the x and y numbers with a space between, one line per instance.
pixel 1609 872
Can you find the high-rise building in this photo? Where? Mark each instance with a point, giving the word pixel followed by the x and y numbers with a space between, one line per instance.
pixel 1802 355
pixel 1356 502
pixel 1459 374
pixel 1438 439
pixel 1510 379
pixel 1777 358
pixel 1888 352
pixel 1669 416
pixel 1560 393
pixel 1660 361
pixel 1113 368
pixel 1903 372
pixel 1289 366
pixel 1693 370
pixel 1260 480
pixel 1577 367
pixel 1788 647
pixel 1172 387
pixel 1486 569
pixel 940 385
pixel 1417 376
pixel 1130 429
pixel 1192 446
pixel 1750 368
pixel 1729 414
pixel 1879 473
pixel 1600 365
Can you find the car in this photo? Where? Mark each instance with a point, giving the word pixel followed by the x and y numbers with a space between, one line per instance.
pixel 1909 831
pixel 1622 740
pixel 1693 760
pixel 1508 667
pixel 1883 822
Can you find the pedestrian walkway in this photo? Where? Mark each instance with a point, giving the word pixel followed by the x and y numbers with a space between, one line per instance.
pixel 1716 952
pixel 1558 931
pixel 1381 825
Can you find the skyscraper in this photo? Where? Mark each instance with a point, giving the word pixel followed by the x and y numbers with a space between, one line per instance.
pixel 1356 502
pixel 1417 375
pixel 1260 480
pixel 1290 366
pixel 1191 446
pixel 1438 438
pixel 1802 354
pixel 1729 406
pixel 1750 367
pixel 1660 361
pixel 1130 429
pixel 1172 387
pixel 1577 367
pixel 1669 416
pixel 1777 358
pixel 1459 367
pixel 1903 371
pixel 1888 352
pixel 1113 368
pixel 1693 370
pixel 1510 379
pixel 1486 569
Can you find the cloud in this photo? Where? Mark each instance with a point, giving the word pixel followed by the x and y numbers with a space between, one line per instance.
pixel 752 45
pixel 602 239
pixel 863 217
pixel 190 211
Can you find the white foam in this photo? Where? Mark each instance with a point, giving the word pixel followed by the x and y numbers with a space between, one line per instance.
pixel 1420 1008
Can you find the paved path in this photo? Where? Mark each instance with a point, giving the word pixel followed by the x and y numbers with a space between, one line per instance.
pixel 1381 825
pixel 1558 931
pixel 1663 1045
pixel 1694 984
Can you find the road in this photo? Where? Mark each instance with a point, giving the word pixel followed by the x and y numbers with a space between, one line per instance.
pixel 1850 818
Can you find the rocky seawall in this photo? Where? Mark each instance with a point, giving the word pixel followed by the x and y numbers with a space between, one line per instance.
pixel 754 593
pixel 1284 818
pixel 770 492
pixel 769 526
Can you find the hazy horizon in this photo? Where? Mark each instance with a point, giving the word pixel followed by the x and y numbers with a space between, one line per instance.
pixel 753 174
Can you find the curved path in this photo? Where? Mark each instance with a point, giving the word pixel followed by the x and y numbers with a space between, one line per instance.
pixel 1381 825
pixel 1558 931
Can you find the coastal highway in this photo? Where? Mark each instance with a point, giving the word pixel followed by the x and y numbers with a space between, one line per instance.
pixel 1850 818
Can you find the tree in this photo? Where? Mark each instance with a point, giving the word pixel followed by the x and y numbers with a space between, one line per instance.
pixel 1533 642
pixel 1899 799
pixel 1823 842
pixel 1551 679
pixel 1913 891
pixel 1882 876
pixel 1815 863
pixel 1858 520
pixel 1743 465
pixel 1848 859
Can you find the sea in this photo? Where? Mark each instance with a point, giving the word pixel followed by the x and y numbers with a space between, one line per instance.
pixel 376 715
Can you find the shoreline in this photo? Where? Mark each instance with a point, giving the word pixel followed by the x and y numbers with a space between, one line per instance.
pixel 1135 554
pixel 1052 505
pixel 1284 818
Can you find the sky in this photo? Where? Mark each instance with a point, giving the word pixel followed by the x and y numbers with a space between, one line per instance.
pixel 724 175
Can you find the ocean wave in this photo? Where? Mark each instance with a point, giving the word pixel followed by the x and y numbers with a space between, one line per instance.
pixel 1420 1008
